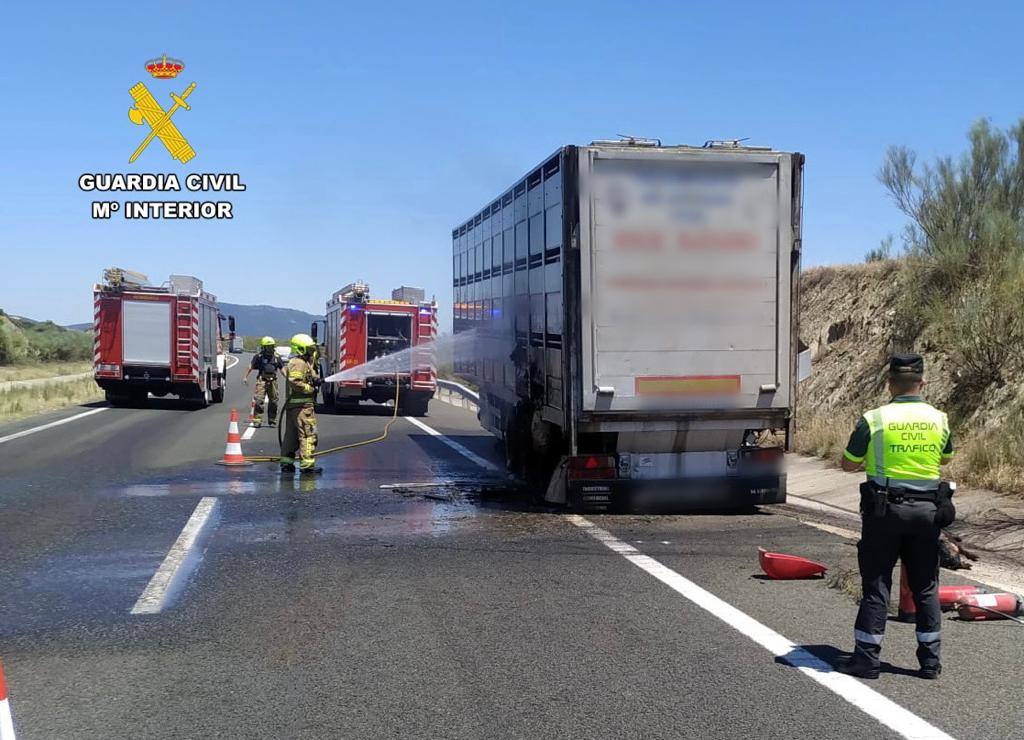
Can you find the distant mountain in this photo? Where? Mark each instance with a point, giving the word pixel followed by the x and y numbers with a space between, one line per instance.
pixel 257 321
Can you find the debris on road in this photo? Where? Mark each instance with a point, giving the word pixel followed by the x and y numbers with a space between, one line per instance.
pixel 779 566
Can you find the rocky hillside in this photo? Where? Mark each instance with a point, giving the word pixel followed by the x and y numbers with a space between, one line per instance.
pixel 850 318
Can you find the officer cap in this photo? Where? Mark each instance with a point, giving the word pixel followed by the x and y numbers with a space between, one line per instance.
pixel 909 366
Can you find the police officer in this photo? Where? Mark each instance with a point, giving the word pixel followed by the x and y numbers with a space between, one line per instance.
pixel 904 505
pixel 300 434
pixel 267 365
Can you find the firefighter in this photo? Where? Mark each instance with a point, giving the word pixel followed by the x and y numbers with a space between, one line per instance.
pixel 267 365
pixel 904 506
pixel 300 414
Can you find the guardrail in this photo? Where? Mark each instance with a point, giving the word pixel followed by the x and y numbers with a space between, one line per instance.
pixel 456 394
pixel 459 388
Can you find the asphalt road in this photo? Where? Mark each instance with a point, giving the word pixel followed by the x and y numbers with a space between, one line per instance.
pixel 334 608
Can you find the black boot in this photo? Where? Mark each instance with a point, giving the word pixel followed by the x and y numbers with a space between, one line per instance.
pixel 857 668
pixel 930 672
pixel 311 470
pixel 288 468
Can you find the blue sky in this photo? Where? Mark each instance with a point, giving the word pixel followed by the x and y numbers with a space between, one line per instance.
pixel 365 132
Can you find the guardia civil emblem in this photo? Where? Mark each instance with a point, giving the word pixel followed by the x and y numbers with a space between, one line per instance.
pixel 147 110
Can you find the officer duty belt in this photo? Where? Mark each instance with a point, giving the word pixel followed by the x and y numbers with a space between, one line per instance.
pixel 899 494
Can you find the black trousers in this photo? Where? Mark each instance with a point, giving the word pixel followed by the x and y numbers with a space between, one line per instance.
pixel 908 532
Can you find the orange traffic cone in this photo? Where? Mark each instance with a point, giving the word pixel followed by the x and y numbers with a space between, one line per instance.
pixel 233 450
pixel 6 721
pixel 252 410
pixel 907 611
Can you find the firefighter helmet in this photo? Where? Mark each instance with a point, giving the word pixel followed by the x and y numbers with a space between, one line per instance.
pixel 302 343
pixel 267 342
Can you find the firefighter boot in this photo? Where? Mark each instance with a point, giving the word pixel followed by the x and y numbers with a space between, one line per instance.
pixel 857 668
pixel 311 470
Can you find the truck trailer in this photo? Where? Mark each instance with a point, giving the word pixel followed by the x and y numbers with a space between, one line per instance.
pixel 361 331
pixel 158 340
pixel 632 309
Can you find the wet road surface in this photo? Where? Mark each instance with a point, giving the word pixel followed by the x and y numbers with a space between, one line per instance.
pixel 335 608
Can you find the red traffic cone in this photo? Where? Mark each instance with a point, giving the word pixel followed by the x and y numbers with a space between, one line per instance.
pixel 952 596
pixel 779 566
pixel 233 450
pixel 907 611
pixel 6 721
pixel 990 606
pixel 252 410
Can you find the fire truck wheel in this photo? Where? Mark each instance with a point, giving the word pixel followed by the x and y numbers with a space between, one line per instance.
pixel 217 396
pixel 116 399
pixel 415 407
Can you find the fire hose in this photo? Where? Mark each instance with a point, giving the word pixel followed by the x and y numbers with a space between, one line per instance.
pixel 330 450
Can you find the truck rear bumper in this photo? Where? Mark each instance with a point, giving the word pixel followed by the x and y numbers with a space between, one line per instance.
pixel 617 496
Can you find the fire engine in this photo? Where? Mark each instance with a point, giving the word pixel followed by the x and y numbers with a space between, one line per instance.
pixel 161 340
pixel 361 330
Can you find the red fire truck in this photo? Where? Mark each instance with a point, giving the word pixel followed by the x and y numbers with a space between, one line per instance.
pixel 361 331
pixel 162 340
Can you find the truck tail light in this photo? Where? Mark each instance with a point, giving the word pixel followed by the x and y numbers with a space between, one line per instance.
pixel 762 454
pixel 589 467
pixel 108 368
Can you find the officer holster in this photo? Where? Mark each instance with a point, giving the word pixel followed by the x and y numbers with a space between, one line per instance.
pixel 875 499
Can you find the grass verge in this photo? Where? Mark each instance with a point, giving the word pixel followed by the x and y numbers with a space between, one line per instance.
pixel 987 458
pixel 21 402
pixel 49 370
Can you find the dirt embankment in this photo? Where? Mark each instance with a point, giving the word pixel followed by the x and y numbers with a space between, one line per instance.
pixel 850 318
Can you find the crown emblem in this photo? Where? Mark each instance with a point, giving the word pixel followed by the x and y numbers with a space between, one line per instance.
pixel 164 68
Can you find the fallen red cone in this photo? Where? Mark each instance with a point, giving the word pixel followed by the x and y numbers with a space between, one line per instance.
pixel 781 567
pixel 952 596
pixel 990 606
pixel 233 450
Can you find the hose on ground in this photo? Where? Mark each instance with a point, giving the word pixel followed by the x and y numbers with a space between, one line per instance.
pixel 331 450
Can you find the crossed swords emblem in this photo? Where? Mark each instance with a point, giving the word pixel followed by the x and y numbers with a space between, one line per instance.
pixel 147 110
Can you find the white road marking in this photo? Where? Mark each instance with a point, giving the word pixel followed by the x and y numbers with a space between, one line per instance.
pixel 455 445
pixel 869 701
pixel 51 425
pixel 249 431
pixel 179 561
pixel 813 505
pixel 227 366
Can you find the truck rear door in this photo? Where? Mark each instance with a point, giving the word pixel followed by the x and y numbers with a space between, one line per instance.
pixel 685 279
pixel 146 332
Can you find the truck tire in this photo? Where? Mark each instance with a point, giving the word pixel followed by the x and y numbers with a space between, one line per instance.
pixel 416 406
pixel 116 399
pixel 217 396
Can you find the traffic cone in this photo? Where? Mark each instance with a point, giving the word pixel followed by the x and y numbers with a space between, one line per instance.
pixel 950 597
pixel 907 611
pixel 779 566
pixel 233 449
pixel 252 410
pixel 6 721
pixel 991 606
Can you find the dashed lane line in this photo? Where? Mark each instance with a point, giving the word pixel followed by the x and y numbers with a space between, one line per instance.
pixel 901 721
pixel 179 562
pixel 51 425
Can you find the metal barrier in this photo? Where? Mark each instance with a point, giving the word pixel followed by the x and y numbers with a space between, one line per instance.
pixel 448 389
